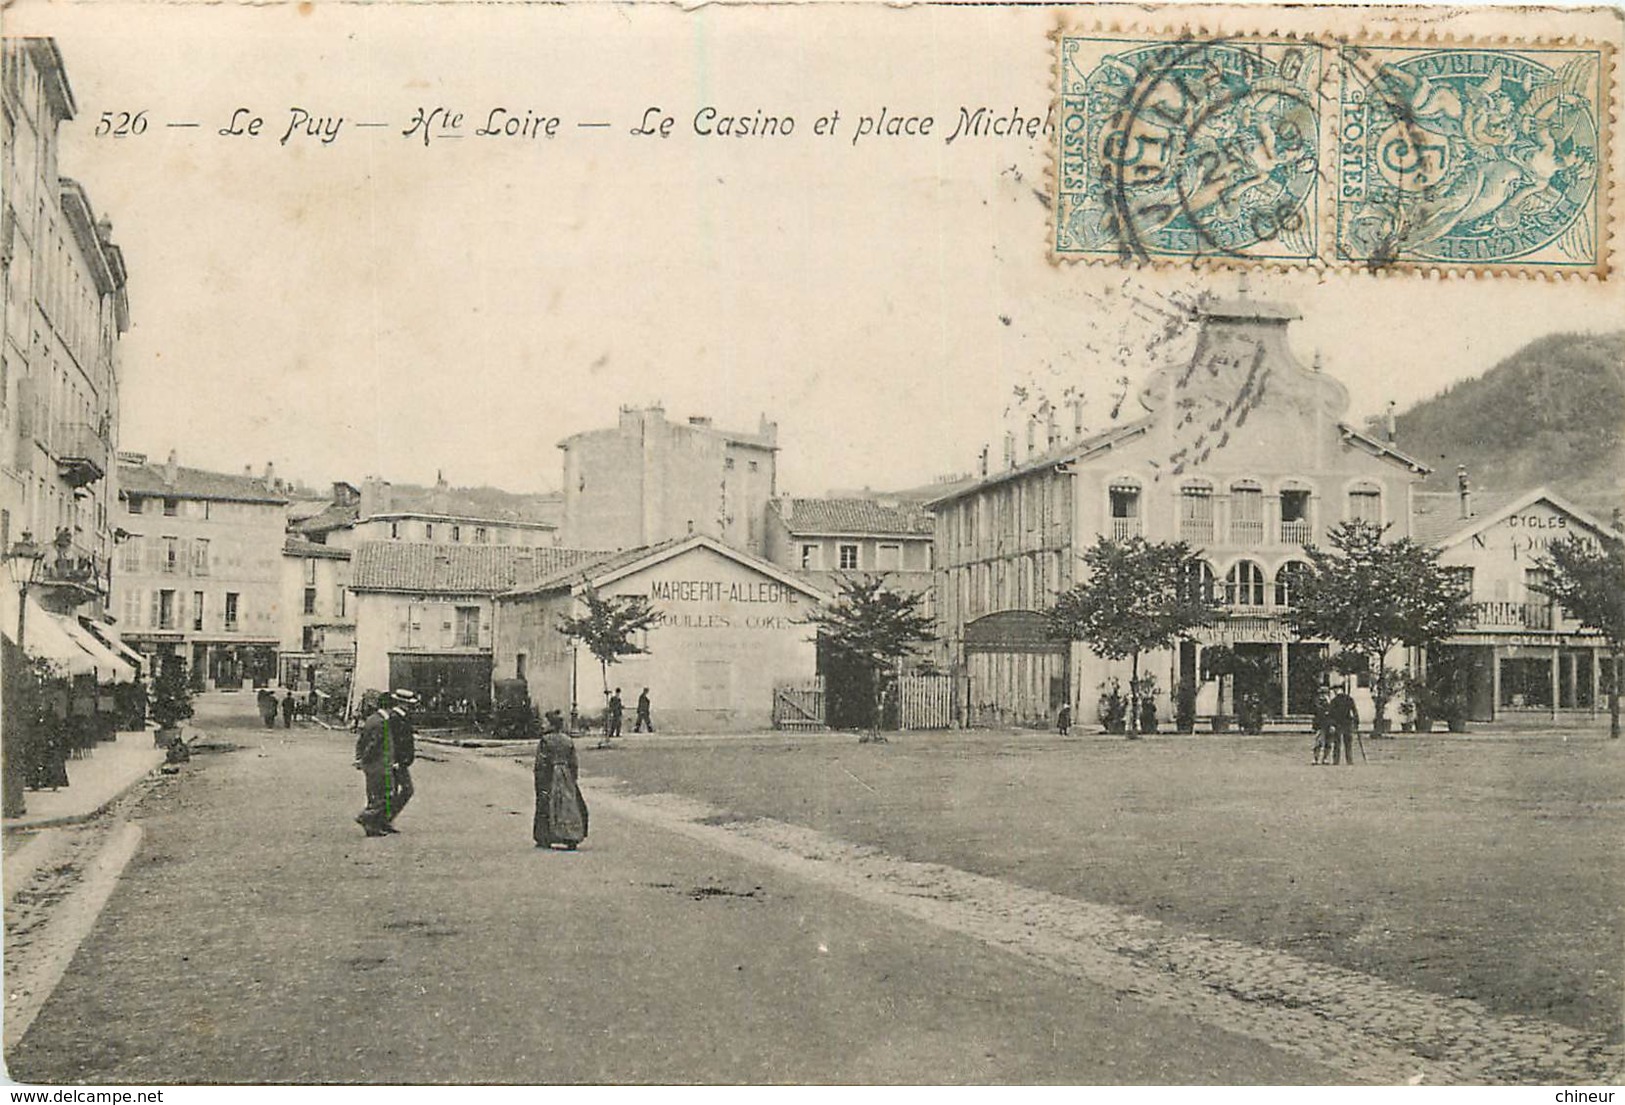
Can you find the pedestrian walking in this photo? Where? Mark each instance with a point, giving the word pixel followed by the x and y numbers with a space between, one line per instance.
pixel 287 709
pixel 561 812
pixel 612 716
pixel 403 751
pixel 374 758
pixel 1344 717
pixel 267 705
pixel 642 723
pixel 1323 727
pixel 1063 719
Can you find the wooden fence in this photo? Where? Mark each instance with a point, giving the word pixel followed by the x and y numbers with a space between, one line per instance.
pixel 799 705
pixel 925 701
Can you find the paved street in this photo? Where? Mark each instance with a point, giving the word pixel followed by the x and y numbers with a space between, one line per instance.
pixel 258 936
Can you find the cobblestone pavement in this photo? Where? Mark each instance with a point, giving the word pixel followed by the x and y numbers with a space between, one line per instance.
pixel 1367 1028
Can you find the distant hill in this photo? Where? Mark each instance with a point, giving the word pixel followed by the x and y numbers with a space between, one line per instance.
pixel 1553 413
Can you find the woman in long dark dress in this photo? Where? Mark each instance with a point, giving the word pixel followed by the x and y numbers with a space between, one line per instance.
pixel 561 813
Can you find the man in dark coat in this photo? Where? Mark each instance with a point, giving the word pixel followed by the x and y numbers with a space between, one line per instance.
pixel 403 749
pixel 612 717
pixel 1343 717
pixel 374 756
pixel 287 709
pixel 643 723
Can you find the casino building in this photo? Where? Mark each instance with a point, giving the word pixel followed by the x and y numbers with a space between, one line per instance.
pixel 733 628
pixel 1242 452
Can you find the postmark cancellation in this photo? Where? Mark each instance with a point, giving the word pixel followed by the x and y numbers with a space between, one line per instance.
pixel 1410 156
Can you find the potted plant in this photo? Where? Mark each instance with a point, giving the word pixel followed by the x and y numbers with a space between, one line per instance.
pixel 1185 707
pixel 1113 707
pixel 1455 712
pixel 171 704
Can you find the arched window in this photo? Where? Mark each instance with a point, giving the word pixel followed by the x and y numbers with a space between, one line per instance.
pixel 1244 586
pixel 1365 503
pixel 1198 580
pixel 1246 513
pixel 1287 580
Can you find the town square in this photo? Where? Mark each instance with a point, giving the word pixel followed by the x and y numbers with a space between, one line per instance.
pixel 1079 597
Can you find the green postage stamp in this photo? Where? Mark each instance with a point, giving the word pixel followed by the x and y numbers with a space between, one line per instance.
pixel 1430 156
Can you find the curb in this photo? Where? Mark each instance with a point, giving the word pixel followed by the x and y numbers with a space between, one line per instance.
pixel 30 824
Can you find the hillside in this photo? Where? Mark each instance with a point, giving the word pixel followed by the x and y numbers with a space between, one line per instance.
pixel 1553 413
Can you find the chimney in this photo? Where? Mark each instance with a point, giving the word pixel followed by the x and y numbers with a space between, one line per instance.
pixel 1077 418
pixel 439 479
pixel 699 420
pixel 1009 448
pixel 1463 491
pixel 1392 424
pixel 768 430
pixel 981 468
pixel 270 474
pixel 1052 435
pixel 1032 435
pixel 171 467
pixel 374 497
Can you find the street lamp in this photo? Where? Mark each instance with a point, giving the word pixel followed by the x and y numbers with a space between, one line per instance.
pixel 23 561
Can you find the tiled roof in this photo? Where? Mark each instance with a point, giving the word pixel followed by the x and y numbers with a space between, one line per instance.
pixel 483 504
pixel 1436 515
pixel 592 564
pixel 456 569
pixel 298 546
pixel 194 483
pixel 331 517
pixel 852 517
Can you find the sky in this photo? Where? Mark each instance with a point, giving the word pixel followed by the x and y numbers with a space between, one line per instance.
pixel 376 305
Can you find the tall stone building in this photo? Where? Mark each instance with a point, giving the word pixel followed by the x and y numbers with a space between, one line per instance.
pixel 647 480
pixel 199 577
pixel 65 311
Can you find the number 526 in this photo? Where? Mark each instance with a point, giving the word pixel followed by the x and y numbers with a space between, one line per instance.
pixel 121 124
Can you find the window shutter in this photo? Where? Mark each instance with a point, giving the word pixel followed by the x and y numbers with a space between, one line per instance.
pixel 155 623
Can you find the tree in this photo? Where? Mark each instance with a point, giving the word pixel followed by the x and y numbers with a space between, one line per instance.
pixel 171 697
pixel 609 625
pixel 1138 597
pixel 1587 580
pixel 876 627
pixel 1371 596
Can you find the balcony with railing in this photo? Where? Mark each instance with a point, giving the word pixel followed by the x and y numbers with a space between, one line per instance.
pixel 1124 528
pixel 1246 531
pixel 68 564
pixel 81 453
pixel 1295 533
pixel 1511 615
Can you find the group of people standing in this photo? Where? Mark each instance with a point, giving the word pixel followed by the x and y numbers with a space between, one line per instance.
pixel 270 704
pixel 1336 719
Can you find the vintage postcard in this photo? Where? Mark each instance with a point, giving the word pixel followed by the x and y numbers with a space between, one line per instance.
pixel 811 544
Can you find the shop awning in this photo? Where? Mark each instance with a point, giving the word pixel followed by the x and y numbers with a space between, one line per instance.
pixel 110 666
pixel 45 636
pixel 104 633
